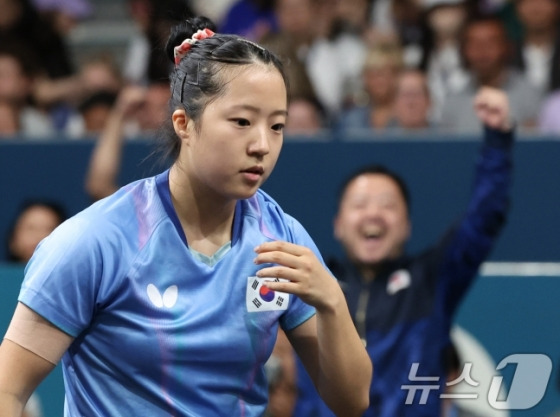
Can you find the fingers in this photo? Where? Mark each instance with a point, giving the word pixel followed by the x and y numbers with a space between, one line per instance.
pixel 281 246
pixel 287 260
pixel 492 108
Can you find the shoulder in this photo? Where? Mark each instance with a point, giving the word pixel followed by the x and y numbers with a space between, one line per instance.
pixel 132 210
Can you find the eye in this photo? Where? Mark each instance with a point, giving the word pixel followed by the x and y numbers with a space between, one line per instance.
pixel 278 127
pixel 241 122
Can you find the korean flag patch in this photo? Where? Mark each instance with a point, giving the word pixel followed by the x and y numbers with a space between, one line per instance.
pixel 260 298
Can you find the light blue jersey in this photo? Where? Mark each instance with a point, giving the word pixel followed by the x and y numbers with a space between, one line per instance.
pixel 159 332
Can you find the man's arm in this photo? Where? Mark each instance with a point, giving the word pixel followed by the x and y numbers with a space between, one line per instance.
pixel 472 241
pixel 105 160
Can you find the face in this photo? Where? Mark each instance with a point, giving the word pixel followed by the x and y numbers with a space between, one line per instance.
pixel 95 118
pixel 295 17
pixel 14 85
pixel 11 12
pixel 372 223
pixel 34 224
pixel 380 83
pixel 446 21
pixel 303 117
pixel 486 49
pixel 538 14
pixel 233 148
pixel 412 102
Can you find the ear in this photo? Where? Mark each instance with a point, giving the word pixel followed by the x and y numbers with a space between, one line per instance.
pixel 337 228
pixel 182 123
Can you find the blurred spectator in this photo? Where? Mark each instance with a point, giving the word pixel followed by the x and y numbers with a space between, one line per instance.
pixel 292 42
pixel 64 15
pixel 549 122
pixel 375 110
pixel 441 57
pixel 412 102
pixel 485 51
pixel 402 304
pixel 55 86
pixel 337 53
pixel 143 108
pixel 281 373
pixel 92 115
pixel 537 53
pixel 305 117
pixel 101 83
pixel 321 63
pixel 146 61
pixel 404 20
pixel 21 22
pixel 17 74
pixel 252 19
pixel 34 221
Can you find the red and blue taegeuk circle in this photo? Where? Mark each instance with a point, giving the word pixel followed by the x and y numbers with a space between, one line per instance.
pixel 266 293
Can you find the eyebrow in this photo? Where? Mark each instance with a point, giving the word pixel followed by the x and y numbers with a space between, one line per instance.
pixel 258 110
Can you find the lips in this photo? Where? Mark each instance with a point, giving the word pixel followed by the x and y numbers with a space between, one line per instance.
pixel 257 170
pixel 253 174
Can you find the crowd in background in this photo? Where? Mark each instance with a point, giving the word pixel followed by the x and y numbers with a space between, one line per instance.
pixel 385 65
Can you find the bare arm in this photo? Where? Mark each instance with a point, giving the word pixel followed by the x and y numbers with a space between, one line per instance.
pixel 328 343
pixel 22 370
pixel 105 161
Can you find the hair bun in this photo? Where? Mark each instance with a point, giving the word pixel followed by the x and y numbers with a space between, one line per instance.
pixel 185 30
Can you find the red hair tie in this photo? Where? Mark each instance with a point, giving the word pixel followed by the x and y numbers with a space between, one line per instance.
pixel 180 51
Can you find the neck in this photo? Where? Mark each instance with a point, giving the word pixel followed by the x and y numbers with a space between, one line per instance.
pixel 380 115
pixel 494 79
pixel 540 38
pixel 206 218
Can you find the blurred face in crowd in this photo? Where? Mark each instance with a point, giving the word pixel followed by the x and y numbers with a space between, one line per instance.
pixel 412 100
pixel 380 72
pixel 303 117
pixel 446 21
pixel 295 17
pixel 486 50
pixel 380 83
pixel 372 222
pixel 154 110
pixel 95 117
pixel 32 226
pixel 537 15
pixel 354 12
pixel 14 84
pixel 11 12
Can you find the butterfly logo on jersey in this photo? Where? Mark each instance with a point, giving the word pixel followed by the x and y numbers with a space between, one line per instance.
pixel 261 298
pixel 167 300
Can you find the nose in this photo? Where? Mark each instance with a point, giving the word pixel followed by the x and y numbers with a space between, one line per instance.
pixel 260 144
pixel 373 209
